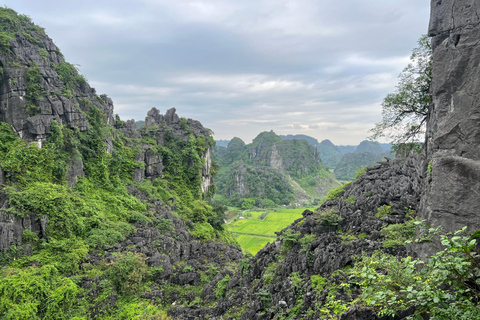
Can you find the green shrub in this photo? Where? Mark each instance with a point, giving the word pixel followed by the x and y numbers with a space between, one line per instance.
pixel 37 293
pixel 220 287
pixel 337 192
pixel 265 296
pixel 350 199
pixel 70 77
pixel 203 231
pixel 44 54
pixel 63 254
pixel 398 234
pixel 362 235
pixel 445 287
pixel 248 203
pixel 29 236
pixel 306 240
pixel 269 273
pixel 34 91
pixel 347 237
pixel 108 233
pixel 360 172
pixel 383 210
pixel 328 218
pixel 10 254
pixel 187 269
pixel 318 282
pixel 128 273
pixel 263 215
pixel 289 239
pixel 165 225
pixel 429 168
pixel 244 267
pixel 4 42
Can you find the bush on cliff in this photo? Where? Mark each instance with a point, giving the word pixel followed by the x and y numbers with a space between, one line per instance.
pixel 446 287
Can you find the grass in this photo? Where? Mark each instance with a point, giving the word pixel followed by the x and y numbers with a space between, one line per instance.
pixel 253 234
pixel 253 244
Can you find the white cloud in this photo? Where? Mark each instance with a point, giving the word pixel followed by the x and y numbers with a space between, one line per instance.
pixel 105 18
pixel 242 67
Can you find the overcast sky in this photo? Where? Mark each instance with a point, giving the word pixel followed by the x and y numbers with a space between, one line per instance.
pixel 314 67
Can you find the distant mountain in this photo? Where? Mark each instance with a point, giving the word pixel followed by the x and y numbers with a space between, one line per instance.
pixel 386 147
pixel 346 149
pixel 310 140
pixel 329 153
pixel 139 124
pixel 369 146
pixel 222 143
pixel 350 163
pixel 366 154
pixel 271 170
pixel 345 160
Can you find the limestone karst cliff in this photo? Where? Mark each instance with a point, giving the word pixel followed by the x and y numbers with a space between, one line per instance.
pixel 82 190
pixel 109 222
pixel 453 127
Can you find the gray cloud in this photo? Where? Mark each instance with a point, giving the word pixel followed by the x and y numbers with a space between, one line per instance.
pixel 241 67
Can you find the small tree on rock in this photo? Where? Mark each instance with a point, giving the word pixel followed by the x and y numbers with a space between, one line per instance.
pixel 405 111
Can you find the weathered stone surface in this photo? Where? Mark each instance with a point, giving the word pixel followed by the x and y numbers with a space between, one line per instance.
pixel 453 127
pixel 12 226
pixel 158 125
pixel 75 170
pixel 52 105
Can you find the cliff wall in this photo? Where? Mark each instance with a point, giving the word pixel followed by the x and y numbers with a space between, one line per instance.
pixel 453 128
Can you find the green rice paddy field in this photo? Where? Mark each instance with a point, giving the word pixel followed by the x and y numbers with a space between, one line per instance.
pixel 253 234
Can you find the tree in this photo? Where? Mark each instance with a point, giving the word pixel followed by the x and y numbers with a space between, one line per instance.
pixel 405 111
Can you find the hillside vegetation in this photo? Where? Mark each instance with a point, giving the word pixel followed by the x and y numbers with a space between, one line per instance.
pixel 271 171
pixel 89 203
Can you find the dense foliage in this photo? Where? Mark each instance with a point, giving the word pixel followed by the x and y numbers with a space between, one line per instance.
pixel 446 286
pixel 41 279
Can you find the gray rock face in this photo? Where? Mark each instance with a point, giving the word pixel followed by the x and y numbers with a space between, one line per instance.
pixel 12 226
pixel 75 170
pixel 453 128
pixel 158 124
pixel 52 104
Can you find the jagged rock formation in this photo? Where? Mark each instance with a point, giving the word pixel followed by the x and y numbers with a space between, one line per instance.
pixel 38 87
pixel 265 288
pixel 158 126
pixel 30 47
pixel 171 249
pixel 453 127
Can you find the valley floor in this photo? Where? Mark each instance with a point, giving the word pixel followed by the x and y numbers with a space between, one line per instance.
pixel 254 229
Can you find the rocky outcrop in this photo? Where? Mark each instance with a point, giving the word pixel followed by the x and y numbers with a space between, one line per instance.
pixel 453 127
pixel 278 281
pixel 55 99
pixel 159 127
pixel 13 226
pixel 75 170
